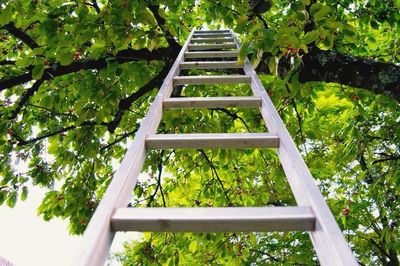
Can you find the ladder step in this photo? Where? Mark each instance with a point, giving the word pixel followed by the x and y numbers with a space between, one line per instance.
pixel 212 40
pixel 216 54
pixel 211 102
pixel 228 79
pixel 212 141
pixel 211 35
pixel 233 219
pixel 196 47
pixel 210 65
pixel 211 31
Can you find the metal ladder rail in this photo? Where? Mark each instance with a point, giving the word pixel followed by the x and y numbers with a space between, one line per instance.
pixel 99 235
pixel 327 238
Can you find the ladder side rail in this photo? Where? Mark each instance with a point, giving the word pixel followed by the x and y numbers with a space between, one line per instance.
pixel 328 240
pixel 98 235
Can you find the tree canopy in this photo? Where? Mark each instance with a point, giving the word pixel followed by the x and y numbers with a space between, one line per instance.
pixel 77 77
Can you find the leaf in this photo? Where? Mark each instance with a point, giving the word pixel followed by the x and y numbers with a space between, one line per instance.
pixel 150 18
pixel 65 57
pixel 242 19
pixel 12 199
pixel 374 24
pixel 139 44
pixel 37 71
pixel 193 246
pixel 2 196
pixel 310 37
pixel 322 12
pixel 6 15
pixel 24 193
pixel 319 11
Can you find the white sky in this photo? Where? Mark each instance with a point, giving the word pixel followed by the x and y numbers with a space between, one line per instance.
pixel 27 240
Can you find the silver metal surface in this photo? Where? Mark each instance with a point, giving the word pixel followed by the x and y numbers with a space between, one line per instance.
pixel 228 79
pixel 233 219
pixel 212 141
pixel 211 102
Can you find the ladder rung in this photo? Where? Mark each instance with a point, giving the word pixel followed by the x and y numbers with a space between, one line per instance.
pixel 211 102
pixel 215 54
pixel 233 219
pixel 228 79
pixel 212 40
pixel 211 35
pixel 196 47
pixel 212 141
pixel 210 65
pixel 211 31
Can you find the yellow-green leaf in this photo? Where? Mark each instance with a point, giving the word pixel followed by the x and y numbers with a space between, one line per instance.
pixel 193 246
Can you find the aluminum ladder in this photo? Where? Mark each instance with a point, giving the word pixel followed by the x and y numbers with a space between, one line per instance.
pixel 312 213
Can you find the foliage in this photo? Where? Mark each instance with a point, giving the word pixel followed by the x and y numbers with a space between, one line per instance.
pixel 76 79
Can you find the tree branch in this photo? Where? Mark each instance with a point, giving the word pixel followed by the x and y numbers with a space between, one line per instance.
pixel 7 62
pixel 233 116
pixel 161 22
pixel 216 176
pixel 125 104
pixel 123 56
pixel 25 97
pixel 124 136
pixel 389 158
pixel 22 142
pixel 20 34
pixel 94 5
pixel 266 254
pixel 159 186
pixel 333 66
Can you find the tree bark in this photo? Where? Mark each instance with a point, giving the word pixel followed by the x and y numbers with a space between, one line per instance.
pixel 359 72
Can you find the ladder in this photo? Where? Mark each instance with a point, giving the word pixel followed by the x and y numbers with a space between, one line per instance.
pixel 311 214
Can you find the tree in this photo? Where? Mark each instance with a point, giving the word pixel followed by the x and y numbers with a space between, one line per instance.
pixel 76 79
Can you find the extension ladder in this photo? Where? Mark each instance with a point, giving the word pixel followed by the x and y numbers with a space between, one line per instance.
pixel 312 213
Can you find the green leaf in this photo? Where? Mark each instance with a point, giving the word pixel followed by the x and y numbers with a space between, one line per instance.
pixel 12 199
pixel 24 193
pixel 65 57
pixel 319 11
pixel 374 24
pixel 310 37
pixel 2 196
pixel 6 15
pixel 322 12
pixel 37 71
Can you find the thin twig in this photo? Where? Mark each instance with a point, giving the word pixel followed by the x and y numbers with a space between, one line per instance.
pixel 216 175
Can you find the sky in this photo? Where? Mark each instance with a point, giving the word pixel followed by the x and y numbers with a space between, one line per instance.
pixel 28 240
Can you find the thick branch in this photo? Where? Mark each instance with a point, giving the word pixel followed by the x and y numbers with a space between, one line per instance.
pixel 20 34
pixel 7 62
pixel 332 66
pixel 126 103
pixel 123 56
pixel 161 22
pixel 25 97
